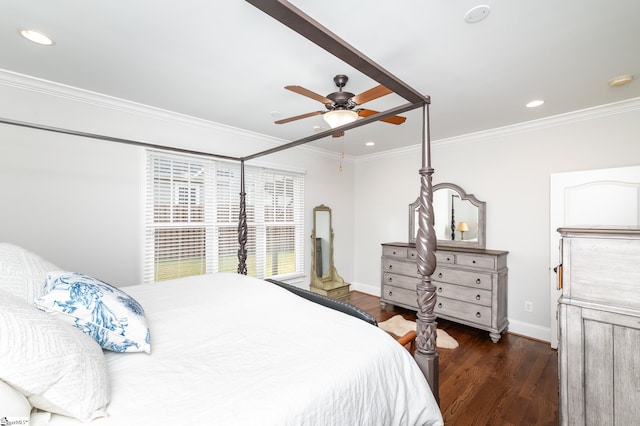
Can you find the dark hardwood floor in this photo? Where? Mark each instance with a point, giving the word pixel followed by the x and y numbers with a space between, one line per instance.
pixel 512 382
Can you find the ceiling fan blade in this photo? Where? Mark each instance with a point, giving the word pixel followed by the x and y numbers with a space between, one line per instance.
pixel 371 94
pixel 308 93
pixel 298 117
pixel 394 119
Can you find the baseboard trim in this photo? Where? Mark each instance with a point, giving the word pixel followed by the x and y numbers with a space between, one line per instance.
pixel 529 330
pixel 373 290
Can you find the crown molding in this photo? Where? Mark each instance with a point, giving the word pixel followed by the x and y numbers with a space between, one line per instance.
pixel 586 114
pixel 74 94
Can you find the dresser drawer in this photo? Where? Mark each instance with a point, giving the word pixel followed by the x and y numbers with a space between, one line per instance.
pixel 403 281
pixel 400 267
pixel 467 278
pixel 445 257
pixel 464 311
pixel 464 294
pixel 486 262
pixel 400 252
pixel 400 295
pixel 339 293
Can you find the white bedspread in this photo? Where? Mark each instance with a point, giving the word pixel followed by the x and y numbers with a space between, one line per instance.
pixel 232 350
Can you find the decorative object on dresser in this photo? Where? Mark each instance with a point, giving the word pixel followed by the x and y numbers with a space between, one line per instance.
pixel 599 325
pixel 471 284
pixel 324 276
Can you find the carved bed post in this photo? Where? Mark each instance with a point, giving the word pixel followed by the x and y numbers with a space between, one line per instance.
pixel 426 355
pixel 242 225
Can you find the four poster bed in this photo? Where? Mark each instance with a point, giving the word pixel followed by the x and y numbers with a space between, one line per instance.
pixel 210 365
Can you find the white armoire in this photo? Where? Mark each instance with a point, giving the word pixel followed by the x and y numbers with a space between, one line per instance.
pixel 599 326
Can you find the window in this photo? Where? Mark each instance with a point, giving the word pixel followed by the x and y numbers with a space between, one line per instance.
pixel 192 212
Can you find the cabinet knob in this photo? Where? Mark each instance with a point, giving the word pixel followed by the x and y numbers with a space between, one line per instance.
pixel 478 314
pixel 439 305
pixel 413 254
pixel 478 281
pixel 439 289
pixel 477 297
pixel 440 275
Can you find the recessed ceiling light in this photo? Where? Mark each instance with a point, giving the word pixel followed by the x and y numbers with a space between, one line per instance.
pixel 477 14
pixel 535 103
pixel 370 143
pixel 36 37
pixel 620 80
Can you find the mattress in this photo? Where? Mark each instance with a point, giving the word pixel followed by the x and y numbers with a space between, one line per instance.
pixel 227 349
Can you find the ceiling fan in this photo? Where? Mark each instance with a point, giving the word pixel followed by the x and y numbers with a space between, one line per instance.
pixel 341 105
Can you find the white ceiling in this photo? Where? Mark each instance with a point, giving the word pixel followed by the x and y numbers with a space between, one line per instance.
pixel 228 62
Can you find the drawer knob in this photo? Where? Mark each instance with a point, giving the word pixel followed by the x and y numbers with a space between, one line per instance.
pixel 390 266
pixel 390 293
pixel 390 279
pixel 478 281
pixel 440 275
pixel 439 305
pixel 439 289
pixel 413 255
pixel 394 252
pixel 473 261
pixel 477 297
pixel 478 314
pixel 448 259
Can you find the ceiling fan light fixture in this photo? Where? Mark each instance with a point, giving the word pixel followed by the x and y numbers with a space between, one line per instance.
pixel 339 117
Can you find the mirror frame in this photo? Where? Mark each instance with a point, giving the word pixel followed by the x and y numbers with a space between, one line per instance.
pixel 482 215
pixel 332 278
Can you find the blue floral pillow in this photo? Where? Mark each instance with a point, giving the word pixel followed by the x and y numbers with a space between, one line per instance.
pixel 109 315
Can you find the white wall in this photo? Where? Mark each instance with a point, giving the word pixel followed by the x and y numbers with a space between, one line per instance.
pixel 508 168
pixel 78 201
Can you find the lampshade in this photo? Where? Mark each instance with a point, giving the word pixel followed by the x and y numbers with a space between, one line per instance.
pixel 339 117
pixel 462 226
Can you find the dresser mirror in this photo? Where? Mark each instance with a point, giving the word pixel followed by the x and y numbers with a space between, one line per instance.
pixel 459 217
pixel 323 271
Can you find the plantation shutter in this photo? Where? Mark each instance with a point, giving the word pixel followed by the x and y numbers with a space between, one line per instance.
pixel 179 217
pixel 192 211
pixel 280 222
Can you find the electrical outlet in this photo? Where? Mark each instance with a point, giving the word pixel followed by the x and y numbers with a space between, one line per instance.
pixel 528 306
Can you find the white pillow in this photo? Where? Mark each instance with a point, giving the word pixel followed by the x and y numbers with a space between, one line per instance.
pixel 113 318
pixel 23 273
pixel 14 406
pixel 58 368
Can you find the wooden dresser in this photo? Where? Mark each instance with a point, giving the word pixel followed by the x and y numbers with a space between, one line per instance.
pixel 471 284
pixel 599 326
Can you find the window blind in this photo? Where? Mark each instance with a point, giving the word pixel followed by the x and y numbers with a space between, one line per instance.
pixel 192 211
